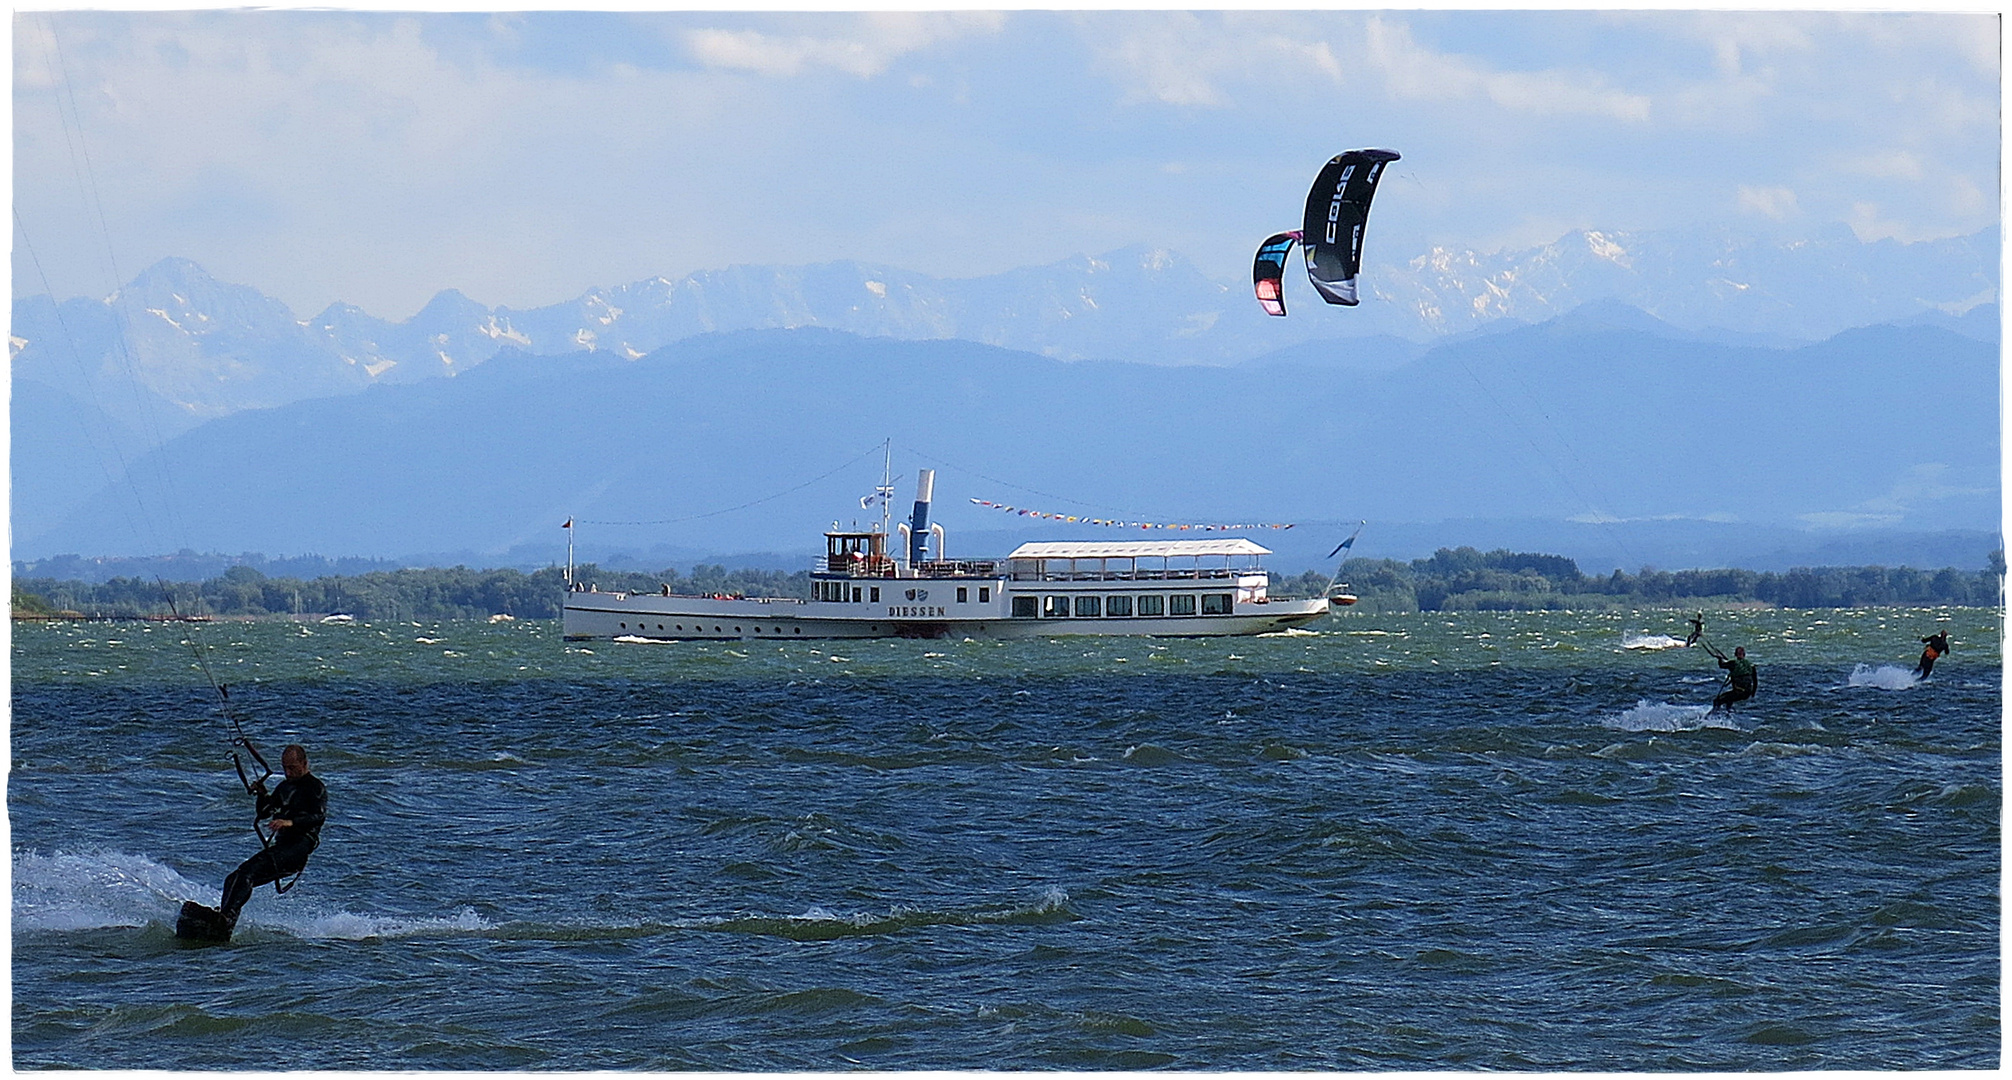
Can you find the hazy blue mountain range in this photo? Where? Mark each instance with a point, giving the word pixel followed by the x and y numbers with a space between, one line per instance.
pixel 175 347
pixel 1606 434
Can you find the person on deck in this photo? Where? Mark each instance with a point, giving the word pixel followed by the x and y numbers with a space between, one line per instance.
pixel 1741 678
pixel 296 808
pixel 1937 647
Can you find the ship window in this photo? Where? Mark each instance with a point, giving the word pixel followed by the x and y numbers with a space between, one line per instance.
pixel 1216 603
pixel 855 595
pixel 963 595
pixel 984 594
pixel 1087 607
pixel 624 626
pixel 876 594
pixel 1181 604
pixel 1117 607
pixel 796 630
pixel 1054 607
pixel 1026 607
pixel 1152 606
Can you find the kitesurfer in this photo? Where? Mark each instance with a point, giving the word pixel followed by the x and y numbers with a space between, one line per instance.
pixel 296 808
pixel 1937 647
pixel 1697 629
pixel 1741 679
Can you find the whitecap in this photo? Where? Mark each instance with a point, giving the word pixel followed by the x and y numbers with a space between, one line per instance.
pixel 313 923
pixel 1651 641
pixel 94 890
pixel 63 891
pixel 1664 716
pixel 1883 677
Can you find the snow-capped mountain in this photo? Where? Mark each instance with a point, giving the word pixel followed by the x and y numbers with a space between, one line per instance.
pixel 1808 288
pixel 176 347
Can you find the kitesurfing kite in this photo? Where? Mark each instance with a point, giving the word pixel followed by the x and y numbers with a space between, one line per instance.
pixel 1330 238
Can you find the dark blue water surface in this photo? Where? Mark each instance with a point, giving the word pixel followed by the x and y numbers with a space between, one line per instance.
pixel 1485 841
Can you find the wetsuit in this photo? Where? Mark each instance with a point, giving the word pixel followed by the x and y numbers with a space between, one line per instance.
pixel 303 802
pixel 1743 679
pixel 1938 647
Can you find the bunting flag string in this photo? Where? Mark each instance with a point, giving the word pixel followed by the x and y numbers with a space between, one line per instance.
pixel 1108 523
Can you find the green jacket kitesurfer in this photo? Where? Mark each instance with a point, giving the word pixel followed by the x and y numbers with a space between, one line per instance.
pixel 1937 648
pixel 1741 678
pixel 296 808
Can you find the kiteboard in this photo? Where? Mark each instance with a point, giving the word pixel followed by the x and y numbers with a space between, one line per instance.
pixel 199 923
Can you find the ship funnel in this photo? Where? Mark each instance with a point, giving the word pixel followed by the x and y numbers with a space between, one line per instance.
pixel 918 524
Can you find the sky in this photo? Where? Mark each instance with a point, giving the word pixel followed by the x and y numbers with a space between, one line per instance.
pixel 376 158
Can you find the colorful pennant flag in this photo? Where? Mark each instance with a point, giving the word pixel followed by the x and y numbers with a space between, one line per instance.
pixel 1108 523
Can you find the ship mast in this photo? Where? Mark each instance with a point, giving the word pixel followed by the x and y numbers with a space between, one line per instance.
pixel 886 489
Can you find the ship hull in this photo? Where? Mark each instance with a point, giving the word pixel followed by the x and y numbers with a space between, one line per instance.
pixel 614 616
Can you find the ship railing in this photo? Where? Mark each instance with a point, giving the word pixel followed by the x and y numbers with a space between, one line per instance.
pixel 870 566
pixel 956 568
pixel 1206 573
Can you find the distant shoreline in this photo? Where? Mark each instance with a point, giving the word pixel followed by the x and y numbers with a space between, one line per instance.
pixel 1451 580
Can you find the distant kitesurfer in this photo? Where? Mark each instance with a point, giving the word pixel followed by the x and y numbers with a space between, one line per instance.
pixel 296 809
pixel 1937 647
pixel 1697 629
pixel 1741 678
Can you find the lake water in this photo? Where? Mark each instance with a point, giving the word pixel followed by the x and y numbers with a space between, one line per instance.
pixel 1485 841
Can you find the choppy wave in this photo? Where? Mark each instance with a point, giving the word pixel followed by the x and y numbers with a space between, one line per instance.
pixel 822 924
pixel 1651 641
pixel 1883 677
pixel 62 891
pixel 1664 716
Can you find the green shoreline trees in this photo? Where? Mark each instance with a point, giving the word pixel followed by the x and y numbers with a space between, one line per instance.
pixel 1452 579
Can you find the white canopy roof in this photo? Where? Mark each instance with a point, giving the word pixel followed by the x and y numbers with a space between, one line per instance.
pixel 1135 549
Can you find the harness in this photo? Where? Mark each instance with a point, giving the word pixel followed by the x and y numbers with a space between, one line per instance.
pixel 256 789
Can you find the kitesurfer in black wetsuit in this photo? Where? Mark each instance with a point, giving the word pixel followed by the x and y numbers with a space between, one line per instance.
pixel 297 807
pixel 1938 647
pixel 1697 630
pixel 1741 678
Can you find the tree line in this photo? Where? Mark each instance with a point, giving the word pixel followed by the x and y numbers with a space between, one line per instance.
pixel 1467 579
pixel 415 593
pixel 1451 579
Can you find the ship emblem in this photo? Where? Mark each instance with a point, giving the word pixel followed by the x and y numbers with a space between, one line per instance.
pixel 918 594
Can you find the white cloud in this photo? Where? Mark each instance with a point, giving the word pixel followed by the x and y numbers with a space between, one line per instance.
pixel 1181 58
pixel 1845 519
pixel 876 41
pixel 1923 484
pixel 1411 70
pixel 1887 165
pixel 1775 202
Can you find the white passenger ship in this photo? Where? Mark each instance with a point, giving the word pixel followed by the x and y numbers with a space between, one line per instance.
pixel 1174 588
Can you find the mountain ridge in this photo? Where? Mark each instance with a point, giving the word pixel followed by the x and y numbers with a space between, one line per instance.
pixel 207 348
pixel 1543 423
